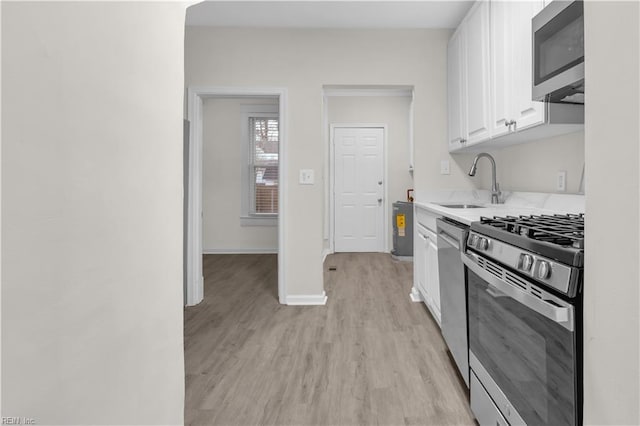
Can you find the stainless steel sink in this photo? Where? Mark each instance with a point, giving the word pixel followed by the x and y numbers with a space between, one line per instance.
pixel 461 206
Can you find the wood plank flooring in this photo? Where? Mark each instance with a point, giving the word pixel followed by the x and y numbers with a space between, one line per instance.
pixel 370 356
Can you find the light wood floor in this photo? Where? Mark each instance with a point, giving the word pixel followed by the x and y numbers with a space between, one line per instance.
pixel 369 356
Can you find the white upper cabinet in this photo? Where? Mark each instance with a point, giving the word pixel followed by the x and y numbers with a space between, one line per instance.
pixel 476 51
pixel 469 80
pixel 526 112
pixel 501 58
pixel 511 68
pixel 457 134
pixel 490 80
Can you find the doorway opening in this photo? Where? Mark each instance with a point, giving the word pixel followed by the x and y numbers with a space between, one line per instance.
pixel 227 202
pixel 386 107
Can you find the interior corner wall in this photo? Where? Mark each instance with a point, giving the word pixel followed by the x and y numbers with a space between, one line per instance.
pixel 611 294
pixel 305 60
pixel 394 112
pixel 92 315
pixel 222 191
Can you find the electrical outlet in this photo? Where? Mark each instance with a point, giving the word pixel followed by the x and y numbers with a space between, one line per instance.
pixel 561 184
pixel 306 177
pixel 444 167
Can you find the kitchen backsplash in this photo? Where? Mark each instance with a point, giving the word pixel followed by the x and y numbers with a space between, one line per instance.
pixel 565 203
pixel 534 166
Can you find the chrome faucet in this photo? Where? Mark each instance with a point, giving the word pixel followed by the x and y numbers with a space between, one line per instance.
pixel 495 188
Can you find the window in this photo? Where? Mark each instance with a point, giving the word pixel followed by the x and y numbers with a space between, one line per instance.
pixel 260 165
pixel 263 167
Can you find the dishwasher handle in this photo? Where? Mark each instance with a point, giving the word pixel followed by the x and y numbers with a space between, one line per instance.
pixel 452 233
pixel 449 239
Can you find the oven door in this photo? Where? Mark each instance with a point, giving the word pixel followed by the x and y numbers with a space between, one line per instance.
pixel 522 345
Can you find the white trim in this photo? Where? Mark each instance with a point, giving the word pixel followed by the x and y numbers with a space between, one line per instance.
pixel 377 92
pixel 326 252
pixel 196 94
pixel 195 280
pixel 240 251
pixel 385 201
pixel 259 221
pixel 411 118
pixel 307 299
pixel 283 196
pixel 415 295
pixel 326 136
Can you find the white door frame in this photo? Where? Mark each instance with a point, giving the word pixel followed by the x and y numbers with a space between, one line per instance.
pixel 195 98
pixel 386 216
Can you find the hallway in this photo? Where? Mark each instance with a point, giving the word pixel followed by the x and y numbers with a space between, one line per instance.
pixel 369 356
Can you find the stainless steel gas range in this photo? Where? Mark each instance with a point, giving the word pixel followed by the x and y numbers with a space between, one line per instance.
pixel 524 298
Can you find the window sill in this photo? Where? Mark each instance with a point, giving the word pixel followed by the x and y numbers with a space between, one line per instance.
pixel 258 221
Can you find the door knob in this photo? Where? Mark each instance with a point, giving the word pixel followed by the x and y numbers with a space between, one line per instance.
pixel 379 200
pixel 379 182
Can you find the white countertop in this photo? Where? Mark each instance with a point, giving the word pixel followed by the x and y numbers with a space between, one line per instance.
pixel 515 204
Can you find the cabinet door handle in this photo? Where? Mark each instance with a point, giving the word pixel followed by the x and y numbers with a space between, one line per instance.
pixel 463 140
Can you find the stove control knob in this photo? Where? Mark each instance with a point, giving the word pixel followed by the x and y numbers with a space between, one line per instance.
pixel 544 270
pixel 483 243
pixel 473 241
pixel 526 262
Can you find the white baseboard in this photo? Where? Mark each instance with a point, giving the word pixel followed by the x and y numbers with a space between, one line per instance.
pixel 415 295
pixel 307 299
pixel 241 251
pixel 325 253
pixel 195 293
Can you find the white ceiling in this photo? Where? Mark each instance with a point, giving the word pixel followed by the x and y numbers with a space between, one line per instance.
pixel 328 14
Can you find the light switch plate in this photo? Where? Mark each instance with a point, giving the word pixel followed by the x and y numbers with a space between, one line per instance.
pixel 307 177
pixel 444 167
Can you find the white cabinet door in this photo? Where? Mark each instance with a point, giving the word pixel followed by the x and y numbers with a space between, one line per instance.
pixel 511 72
pixel 501 57
pixel 457 134
pixel 420 258
pixel 433 278
pixel 526 112
pixel 478 102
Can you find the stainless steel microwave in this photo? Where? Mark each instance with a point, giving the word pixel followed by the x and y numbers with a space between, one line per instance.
pixel 558 53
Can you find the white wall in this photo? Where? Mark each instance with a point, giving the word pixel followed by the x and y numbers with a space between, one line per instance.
pixel 92 212
pixel 393 111
pixel 223 157
pixel 303 62
pixel 0 208
pixel 612 135
pixel 534 166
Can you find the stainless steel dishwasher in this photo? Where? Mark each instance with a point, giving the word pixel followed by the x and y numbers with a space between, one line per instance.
pixel 452 237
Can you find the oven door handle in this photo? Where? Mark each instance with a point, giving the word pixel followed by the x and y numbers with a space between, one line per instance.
pixel 558 314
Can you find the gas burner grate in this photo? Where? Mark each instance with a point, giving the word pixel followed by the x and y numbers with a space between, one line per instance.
pixel 563 230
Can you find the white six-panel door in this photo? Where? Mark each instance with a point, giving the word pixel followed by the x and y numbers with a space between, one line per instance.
pixel 358 189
